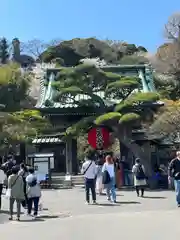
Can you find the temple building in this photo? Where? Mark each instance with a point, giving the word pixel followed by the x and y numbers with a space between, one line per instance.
pixel 64 115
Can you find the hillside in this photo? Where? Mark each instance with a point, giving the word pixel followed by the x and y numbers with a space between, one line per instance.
pixel 69 53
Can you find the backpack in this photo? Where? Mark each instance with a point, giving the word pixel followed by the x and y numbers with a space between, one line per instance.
pixel 140 175
pixel 33 183
pixel 106 177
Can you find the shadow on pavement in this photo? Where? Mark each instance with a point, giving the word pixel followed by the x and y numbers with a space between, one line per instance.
pixel 32 220
pixel 40 218
pixel 118 203
pixel 104 194
pixel 44 209
pixel 153 197
pixel 118 193
pixel 48 216
pixel 108 204
pixel 128 202
pixel 7 212
pixel 159 190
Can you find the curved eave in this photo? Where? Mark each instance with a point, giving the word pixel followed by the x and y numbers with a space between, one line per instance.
pixel 125 67
pixel 113 68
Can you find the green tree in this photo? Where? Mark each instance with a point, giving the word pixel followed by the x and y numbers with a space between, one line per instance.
pixel 21 126
pixel 167 86
pixel 78 48
pixel 133 59
pixel 141 49
pixel 167 122
pixel 16 123
pixel 4 51
pixel 131 49
pixel 72 51
pixel 99 89
pixel 14 87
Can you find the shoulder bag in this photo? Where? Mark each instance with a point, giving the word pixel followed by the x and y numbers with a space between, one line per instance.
pixel 87 168
pixel 8 191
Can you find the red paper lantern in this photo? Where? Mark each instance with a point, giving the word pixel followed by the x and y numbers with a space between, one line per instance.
pixel 99 138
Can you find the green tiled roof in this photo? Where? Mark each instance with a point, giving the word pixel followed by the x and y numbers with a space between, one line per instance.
pixel 47 92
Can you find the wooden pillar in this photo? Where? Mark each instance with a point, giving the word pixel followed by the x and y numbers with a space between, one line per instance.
pixel 146 148
pixel 22 150
pixel 75 164
pixel 123 151
pixel 68 156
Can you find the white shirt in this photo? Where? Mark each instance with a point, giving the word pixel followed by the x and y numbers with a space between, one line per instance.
pixel 30 177
pixel 92 170
pixel 135 168
pixel 109 168
pixel 2 176
pixel 34 191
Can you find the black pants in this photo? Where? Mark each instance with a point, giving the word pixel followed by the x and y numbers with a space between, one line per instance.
pixel 138 189
pixel 24 202
pixel 31 201
pixel 1 189
pixel 90 185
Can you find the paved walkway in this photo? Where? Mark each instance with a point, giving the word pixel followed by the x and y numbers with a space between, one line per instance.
pixel 66 216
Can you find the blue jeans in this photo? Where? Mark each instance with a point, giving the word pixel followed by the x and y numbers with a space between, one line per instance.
pixel 34 200
pixel 177 190
pixel 127 181
pixel 90 185
pixel 110 190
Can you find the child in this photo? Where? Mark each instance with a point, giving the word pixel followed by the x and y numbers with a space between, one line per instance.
pixel 33 192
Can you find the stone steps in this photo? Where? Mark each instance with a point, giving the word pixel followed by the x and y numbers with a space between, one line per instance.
pixel 58 180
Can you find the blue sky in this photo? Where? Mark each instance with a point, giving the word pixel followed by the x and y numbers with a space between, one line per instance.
pixel 135 21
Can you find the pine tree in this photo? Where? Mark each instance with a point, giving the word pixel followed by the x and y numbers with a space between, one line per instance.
pixel 102 91
pixel 4 53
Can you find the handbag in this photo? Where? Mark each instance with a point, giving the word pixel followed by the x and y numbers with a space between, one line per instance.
pixel 8 191
pixel 106 179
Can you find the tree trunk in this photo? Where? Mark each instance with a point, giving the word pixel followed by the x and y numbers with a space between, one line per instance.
pixel 123 150
pixel 143 152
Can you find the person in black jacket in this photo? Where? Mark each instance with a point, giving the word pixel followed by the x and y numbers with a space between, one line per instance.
pixel 174 173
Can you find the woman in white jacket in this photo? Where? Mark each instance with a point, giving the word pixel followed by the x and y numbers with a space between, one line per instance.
pixel 108 167
pixel 2 180
pixel 139 177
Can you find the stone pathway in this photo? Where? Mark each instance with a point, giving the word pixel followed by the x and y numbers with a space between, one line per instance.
pixel 66 216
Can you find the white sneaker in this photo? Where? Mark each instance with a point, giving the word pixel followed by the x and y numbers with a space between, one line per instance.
pixel 40 207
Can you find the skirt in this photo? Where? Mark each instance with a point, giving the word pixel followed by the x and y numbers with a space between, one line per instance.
pixel 99 185
pixel 139 182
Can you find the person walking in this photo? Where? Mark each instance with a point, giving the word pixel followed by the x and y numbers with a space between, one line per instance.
pixel 33 192
pixel 89 170
pixel 139 177
pixel 108 171
pixel 99 185
pixel 174 174
pixel 15 192
pixel 24 173
pixel 2 180
pixel 8 165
